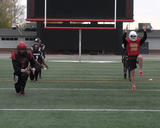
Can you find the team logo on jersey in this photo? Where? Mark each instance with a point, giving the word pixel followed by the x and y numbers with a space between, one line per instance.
pixel 133 46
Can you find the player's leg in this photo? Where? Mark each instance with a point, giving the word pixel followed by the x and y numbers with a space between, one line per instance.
pixel 36 75
pixel 125 70
pixel 124 61
pixel 22 82
pixel 140 62
pixel 129 74
pixel 132 66
pixel 132 78
pixel 31 76
pixel 16 83
pixel 38 70
pixel 40 73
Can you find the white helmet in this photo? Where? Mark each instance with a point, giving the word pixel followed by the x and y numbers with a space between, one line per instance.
pixel 38 40
pixel 133 36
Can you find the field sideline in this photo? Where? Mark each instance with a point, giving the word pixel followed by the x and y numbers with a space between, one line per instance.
pixel 82 95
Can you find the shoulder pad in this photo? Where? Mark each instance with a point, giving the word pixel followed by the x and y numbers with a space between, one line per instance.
pixel 13 56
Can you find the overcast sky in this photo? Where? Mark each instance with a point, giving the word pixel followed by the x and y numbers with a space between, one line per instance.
pixel 145 11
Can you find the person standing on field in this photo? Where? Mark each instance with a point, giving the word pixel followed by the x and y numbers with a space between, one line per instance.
pixel 132 44
pixel 41 50
pixel 40 62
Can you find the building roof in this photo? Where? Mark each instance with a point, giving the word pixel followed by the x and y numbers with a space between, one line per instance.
pixel 16 33
pixel 154 34
pixel 151 34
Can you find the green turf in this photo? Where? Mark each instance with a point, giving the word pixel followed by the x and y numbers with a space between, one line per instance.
pixel 81 86
pixel 79 120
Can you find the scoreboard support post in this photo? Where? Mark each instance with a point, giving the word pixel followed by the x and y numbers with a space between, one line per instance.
pixel 115 13
pixel 80 44
pixel 45 13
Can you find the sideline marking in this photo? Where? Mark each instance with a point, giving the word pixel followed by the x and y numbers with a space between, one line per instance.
pixel 86 110
pixel 83 89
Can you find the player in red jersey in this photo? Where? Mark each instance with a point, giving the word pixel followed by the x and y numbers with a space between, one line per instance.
pixel 132 44
pixel 21 58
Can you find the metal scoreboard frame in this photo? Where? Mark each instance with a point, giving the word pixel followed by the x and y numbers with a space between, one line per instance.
pixel 46 27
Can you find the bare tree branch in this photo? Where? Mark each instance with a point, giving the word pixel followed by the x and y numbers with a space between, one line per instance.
pixel 11 12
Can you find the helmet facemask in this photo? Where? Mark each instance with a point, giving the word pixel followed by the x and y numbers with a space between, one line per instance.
pixel 36 47
pixel 133 36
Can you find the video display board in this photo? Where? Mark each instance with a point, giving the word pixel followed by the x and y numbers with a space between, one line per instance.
pixel 80 9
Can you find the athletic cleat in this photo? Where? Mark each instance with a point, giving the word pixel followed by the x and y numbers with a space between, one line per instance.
pixel 22 93
pixel 140 73
pixel 133 88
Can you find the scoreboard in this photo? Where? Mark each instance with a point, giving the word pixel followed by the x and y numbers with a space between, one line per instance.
pixel 80 10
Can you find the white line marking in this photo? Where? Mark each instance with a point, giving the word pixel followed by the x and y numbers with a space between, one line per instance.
pixel 83 89
pixel 83 61
pixel 86 110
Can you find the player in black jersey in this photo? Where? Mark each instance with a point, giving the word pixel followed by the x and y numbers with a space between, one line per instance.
pixel 40 63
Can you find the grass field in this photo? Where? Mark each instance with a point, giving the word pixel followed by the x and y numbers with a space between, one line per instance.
pixel 82 95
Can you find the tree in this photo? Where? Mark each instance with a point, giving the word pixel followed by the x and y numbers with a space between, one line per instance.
pixel 5 13
pixel 11 13
pixel 18 12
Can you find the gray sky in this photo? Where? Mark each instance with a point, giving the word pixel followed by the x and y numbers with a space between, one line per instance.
pixel 145 11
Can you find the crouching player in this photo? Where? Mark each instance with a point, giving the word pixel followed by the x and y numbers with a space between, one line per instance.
pixel 39 62
pixel 21 58
pixel 132 45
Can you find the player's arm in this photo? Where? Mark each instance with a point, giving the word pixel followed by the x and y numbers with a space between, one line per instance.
pixel 42 50
pixel 32 62
pixel 16 66
pixel 144 35
pixel 31 48
pixel 124 38
pixel 44 63
pixel 43 47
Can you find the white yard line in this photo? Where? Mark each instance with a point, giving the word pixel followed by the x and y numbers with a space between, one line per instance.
pixel 83 61
pixel 86 110
pixel 82 89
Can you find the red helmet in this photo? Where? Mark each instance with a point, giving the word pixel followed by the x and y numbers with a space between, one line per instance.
pixel 21 45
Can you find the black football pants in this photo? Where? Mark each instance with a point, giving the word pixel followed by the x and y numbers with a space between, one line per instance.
pixel 20 81
pixel 35 76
